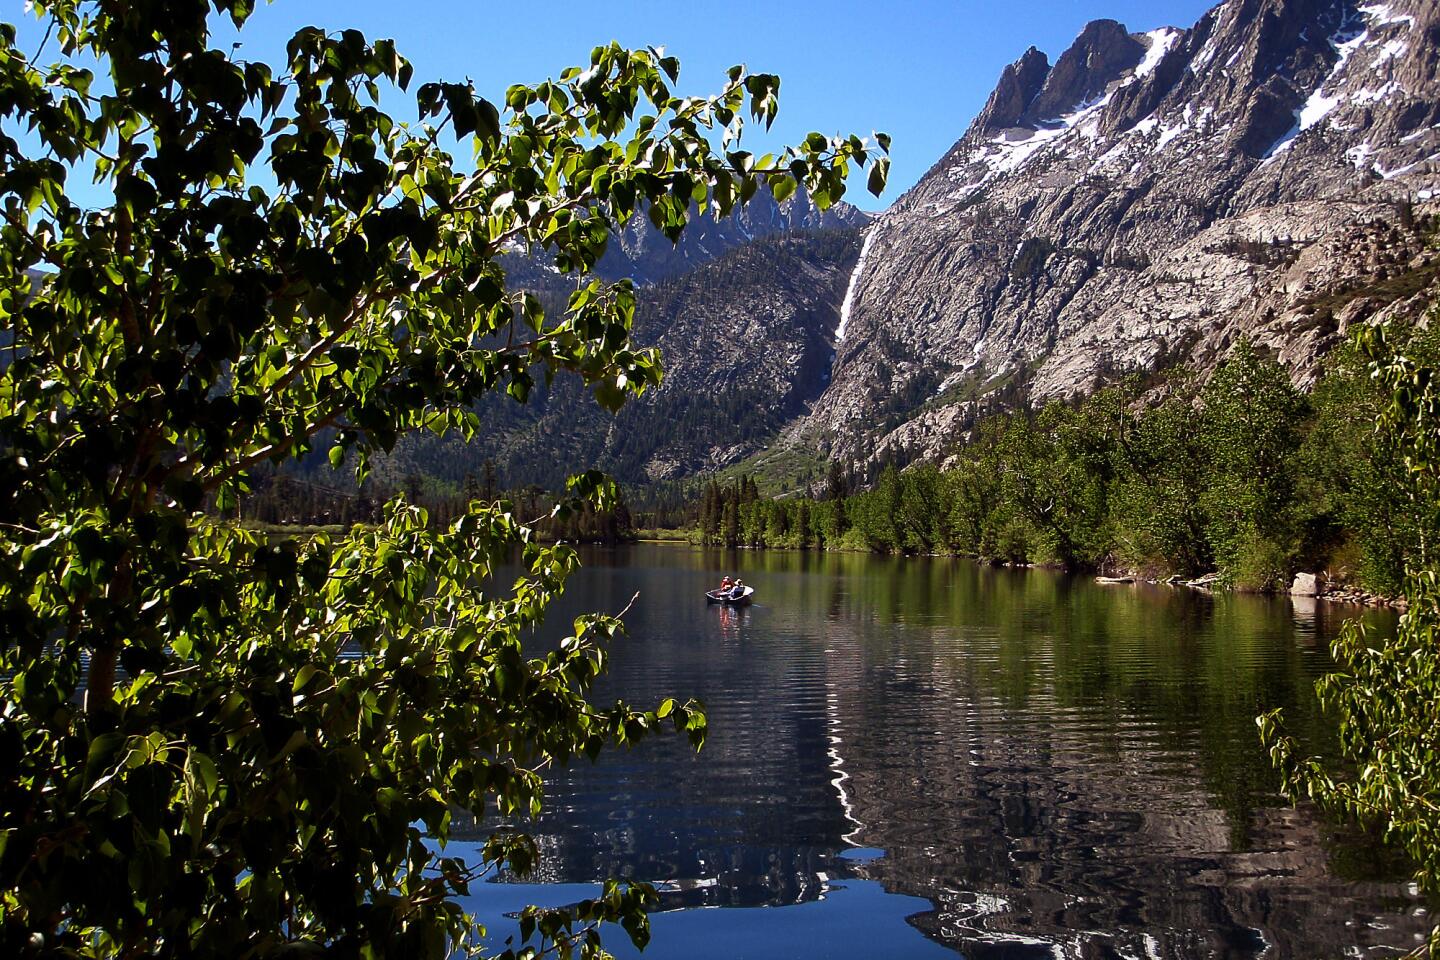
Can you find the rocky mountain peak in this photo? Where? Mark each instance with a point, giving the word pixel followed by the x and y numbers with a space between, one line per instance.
pixel 644 254
pixel 1020 83
pixel 1129 207
pixel 1100 55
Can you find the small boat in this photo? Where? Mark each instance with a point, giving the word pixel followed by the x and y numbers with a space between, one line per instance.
pixel 718 596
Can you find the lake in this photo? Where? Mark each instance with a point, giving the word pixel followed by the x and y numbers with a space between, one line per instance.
pixel 925 757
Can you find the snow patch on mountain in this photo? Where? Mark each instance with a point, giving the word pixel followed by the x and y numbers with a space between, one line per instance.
pixel 1319 104
pixel 1382 14
pixel 1006 155
pixel 1161 42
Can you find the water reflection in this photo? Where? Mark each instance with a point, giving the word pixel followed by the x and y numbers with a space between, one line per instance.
pixel 1057 769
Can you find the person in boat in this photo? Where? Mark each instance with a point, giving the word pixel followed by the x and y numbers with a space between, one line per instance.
pixel 725 586
pixel 738 590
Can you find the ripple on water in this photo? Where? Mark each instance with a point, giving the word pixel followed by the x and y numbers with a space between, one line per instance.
pixel 1051 768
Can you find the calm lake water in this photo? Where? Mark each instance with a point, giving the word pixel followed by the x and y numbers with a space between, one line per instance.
pixel 917 758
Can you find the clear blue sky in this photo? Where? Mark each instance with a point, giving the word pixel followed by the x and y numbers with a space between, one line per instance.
pixel 916 69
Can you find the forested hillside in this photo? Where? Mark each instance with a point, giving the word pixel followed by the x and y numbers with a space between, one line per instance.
pixel 1243 474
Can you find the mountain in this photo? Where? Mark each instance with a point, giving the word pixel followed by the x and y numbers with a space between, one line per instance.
pixel 1141 202
pixel 746 338
pixel 645 255
pixel 743 309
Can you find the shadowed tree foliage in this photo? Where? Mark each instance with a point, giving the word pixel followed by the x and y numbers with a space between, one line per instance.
pixel 214 744
pixel 1387 691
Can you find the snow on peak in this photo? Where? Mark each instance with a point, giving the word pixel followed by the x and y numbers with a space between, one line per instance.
pixel 1161 42
pixel 1004 155
pixel 1168 133
pixel 1319 104
pixel 1381 14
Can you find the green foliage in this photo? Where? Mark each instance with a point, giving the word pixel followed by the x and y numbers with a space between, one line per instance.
pixel 1387 692
pixel 1353 468
pixel 1159 520
pixel 1245 475
pixel 1252 430
pixel 1055 470
pixel 215 743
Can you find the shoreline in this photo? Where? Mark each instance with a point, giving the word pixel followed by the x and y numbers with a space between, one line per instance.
pixel 1327 590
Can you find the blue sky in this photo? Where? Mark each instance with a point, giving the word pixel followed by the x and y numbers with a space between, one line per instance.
pixel 916 69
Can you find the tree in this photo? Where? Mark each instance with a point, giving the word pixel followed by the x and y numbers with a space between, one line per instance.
pixel 1160 486
pixel 1353 471
pixel 1387 690
pixel 803 533
pixel 730 510
pixel 1253 416
pixel 188 767
pixel 835 486
pixel 710 507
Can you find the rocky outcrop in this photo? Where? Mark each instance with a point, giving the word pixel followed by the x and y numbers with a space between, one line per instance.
pixel 1101 55
pixel 1144 202
pixel 1020 83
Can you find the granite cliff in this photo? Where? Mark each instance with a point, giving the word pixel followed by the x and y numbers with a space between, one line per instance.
pixel 1143 202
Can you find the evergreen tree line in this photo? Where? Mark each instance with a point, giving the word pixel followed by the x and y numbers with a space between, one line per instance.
pixel 1244 475
pixel 290 499
pixel 665 504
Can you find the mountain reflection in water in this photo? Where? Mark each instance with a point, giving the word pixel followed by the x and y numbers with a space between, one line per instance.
pixel 1055 768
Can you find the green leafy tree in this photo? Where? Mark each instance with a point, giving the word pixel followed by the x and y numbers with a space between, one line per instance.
pixel 877 511
pixel 828 522
pixel 213 744
pixel 974 494
pixel 919 510
pixel 1352 468
pixel 1054 466
pixel 1253 419
pixel 1387 690
pixel 1159 488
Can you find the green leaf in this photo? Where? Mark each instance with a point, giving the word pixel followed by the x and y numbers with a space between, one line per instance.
pixel 879 173
pixel 205 773
pixel 303 677
pixel 609 395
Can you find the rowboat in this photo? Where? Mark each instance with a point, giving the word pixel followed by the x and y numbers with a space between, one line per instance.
pixel 723 596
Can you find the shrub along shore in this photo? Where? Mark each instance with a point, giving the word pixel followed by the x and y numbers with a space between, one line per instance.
pixel 1244 476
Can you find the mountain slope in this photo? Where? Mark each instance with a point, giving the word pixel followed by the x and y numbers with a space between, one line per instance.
pixel 1142 202
pixel 645 255
pixel 747 342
